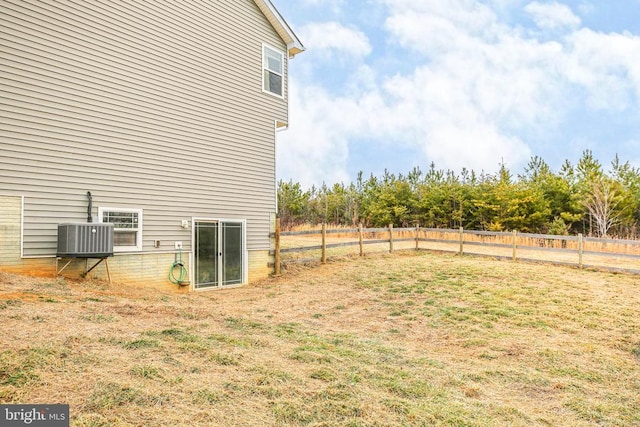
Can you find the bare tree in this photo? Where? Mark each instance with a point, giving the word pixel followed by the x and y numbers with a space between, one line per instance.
pixel 602 203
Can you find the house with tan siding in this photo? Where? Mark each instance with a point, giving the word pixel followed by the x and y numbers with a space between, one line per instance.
pixel 157 117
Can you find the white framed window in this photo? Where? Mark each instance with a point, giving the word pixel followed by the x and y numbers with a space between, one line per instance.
pixel 127 230
pixel 272 71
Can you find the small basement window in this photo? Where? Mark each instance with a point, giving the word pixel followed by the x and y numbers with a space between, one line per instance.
pixel 273 71
pixel 127 231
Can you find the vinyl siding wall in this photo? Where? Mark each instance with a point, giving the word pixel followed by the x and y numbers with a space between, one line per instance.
pixel 10 221
pixel 151 105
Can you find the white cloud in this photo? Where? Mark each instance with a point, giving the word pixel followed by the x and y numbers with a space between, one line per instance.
pixel 607 66
pixel 552 16
pixel 453 126
pixel 314 148
pixel 328 38
pixel 477 91
pixel 497 83
pixel 435 27
pixel 484 83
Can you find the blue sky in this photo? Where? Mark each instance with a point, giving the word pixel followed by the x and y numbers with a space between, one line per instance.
pixel 393 84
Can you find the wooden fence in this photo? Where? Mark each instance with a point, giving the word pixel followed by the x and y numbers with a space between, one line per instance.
pixel 582 251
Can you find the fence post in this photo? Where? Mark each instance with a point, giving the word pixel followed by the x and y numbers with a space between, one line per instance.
pixel 580 249
pixel 417 236
pixel 461 239
pixel 324 243
pixel 515 237
pixel 390 238
pixel 277 254
pixel 360 234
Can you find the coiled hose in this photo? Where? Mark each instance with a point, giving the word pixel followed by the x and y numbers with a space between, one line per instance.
pixel 182 270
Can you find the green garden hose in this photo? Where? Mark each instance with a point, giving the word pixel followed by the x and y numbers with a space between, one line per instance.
pixel 179 265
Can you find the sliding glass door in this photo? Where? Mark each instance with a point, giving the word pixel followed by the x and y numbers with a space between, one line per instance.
pixel 218 253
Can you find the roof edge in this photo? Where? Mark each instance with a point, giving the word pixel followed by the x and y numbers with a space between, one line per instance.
pixel 294 45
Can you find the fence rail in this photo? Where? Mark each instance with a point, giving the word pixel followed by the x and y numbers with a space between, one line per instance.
pixel 584 252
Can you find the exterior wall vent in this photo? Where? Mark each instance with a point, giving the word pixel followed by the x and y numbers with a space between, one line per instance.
pixel 85 240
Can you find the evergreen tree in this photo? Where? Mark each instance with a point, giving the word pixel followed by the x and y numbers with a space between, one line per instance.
pixel 578 199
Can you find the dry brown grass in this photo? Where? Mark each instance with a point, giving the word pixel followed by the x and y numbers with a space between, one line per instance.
pixel 407 339
pixel 597 254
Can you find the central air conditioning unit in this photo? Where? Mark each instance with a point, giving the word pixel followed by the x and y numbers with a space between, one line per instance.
pixel 85 240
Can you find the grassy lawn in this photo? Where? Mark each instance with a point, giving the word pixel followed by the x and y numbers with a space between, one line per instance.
pixel 410 339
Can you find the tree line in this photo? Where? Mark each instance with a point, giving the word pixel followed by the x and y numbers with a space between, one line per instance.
pixel 582 198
